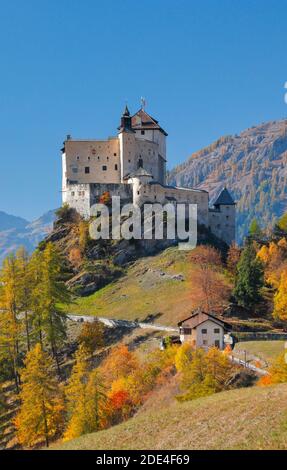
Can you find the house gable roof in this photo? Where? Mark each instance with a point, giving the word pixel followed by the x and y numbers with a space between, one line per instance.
pixel 142 120
pixel 200 317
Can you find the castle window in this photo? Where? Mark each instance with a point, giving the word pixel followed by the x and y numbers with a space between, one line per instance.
pixel 98 158
pixel 107 158
pixel 89 158
pixel 87 169
pixel 73 193
pixel 116 166
pixel 75 170
pixel 129 161
pixel 142 132
pixel 115 154
pixel 104 168
pixel 78 158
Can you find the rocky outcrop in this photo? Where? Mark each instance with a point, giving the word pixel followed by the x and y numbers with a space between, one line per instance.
pixel 252 165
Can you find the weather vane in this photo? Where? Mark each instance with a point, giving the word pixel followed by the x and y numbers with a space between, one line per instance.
pixel 143 102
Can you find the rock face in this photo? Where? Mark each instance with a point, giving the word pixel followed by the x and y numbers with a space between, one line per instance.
pixel 253 167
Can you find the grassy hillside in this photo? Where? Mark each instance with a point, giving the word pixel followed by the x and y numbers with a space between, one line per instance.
pixel 159 285
pixel 252 418
pixel 268 350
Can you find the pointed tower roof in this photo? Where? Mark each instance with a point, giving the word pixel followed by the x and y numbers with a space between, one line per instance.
pixel 143 121
pixel 224 199
pixel 126 111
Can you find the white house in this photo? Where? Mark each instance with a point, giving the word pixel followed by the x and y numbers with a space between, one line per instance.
pixel 203 330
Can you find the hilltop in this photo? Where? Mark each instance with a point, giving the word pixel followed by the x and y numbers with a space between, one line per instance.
pixel 247 418
pixel 252 165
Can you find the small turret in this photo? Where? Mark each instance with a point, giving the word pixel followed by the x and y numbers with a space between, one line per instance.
pixel 126 121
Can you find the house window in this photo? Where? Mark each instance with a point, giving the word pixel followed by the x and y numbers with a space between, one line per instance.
pixel 73 193
pixel 116 166
pixel 142 132
pixel 104 168
pixel 216 330
pixel 204 342
pixel 187 331
pixel 87 169
pixel 217 343
pixel 204 331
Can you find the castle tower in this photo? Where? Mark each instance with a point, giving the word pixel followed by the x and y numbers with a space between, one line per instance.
pixel 148 129
pixel 222 217
pixel 127 145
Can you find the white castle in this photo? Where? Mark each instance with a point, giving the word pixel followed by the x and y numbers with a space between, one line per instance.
pixel 132 165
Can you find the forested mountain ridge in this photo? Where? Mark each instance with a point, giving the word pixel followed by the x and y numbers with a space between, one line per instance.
pixel 253 167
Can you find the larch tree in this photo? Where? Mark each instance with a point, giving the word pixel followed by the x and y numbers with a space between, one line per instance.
pixel 280 298
pixel 24 290
pixel 10 328
pixel 53 292
pixel 86 398
pixel 91 336
pixel 41 412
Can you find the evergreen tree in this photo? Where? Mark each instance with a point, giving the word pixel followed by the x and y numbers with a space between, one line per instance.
pixel 41 413
pixel 255 231
pixel 249 279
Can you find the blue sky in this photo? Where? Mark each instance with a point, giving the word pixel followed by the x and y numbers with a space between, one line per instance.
pixel 206 68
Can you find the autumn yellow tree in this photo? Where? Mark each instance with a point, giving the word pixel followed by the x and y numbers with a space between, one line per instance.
pixel 277 371
pixel 119 363
pixel 24 291
pixel 91 336
pixel 85 395
pixel 183 357
pixel 41 413
pixel 207 373
pixel 10 328
pixel 280 298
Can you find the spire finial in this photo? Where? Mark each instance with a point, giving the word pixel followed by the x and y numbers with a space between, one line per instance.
pixel 126 111
pixel 143 103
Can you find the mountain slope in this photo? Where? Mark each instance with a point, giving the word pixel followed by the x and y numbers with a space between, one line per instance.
pixel 248 418
pixel 252 165
pixel 16 232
